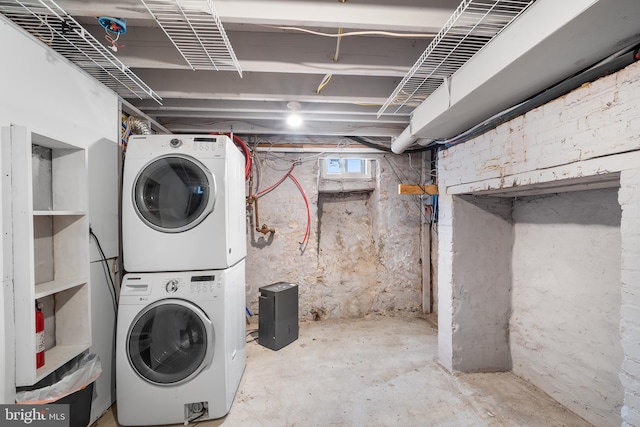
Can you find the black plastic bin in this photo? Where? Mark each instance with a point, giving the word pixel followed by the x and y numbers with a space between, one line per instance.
pixel 79 406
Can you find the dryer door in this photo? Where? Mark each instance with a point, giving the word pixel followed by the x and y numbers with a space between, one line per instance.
pixel 170 342
pixel 174 193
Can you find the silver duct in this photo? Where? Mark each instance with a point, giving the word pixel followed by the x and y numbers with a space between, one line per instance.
pixel 138 126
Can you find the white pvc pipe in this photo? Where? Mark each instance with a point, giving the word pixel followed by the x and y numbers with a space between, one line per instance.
pixel 402 141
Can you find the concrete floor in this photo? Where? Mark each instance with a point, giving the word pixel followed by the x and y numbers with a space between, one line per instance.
pixel 380 371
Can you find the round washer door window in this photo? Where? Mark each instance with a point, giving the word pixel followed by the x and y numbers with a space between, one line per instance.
pixel 174 193
pixel 170 342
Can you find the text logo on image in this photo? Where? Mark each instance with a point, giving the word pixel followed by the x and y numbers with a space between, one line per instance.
pixel 53 415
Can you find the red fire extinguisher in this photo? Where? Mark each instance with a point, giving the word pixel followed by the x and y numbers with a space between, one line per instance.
pixel 39 336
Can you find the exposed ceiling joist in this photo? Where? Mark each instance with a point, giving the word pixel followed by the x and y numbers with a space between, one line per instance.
pixel 407 15
pixel 341 81
pixel 547 44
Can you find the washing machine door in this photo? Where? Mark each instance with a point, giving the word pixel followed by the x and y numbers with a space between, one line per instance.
pixel 174 193
pixel 170 342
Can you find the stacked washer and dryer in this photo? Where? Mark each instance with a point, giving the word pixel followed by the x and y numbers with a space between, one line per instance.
pixel 180 341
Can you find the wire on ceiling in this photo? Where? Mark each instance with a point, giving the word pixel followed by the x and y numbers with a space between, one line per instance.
pixel 335 55
pixel 619 61
pixel 114 42
pixel 327 78
pixel 52 36
pixel 325 81
pixel 352 33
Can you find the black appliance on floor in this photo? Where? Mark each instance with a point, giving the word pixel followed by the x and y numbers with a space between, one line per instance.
pixel 278 315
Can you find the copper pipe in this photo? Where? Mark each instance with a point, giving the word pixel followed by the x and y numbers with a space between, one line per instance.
pixel 264 229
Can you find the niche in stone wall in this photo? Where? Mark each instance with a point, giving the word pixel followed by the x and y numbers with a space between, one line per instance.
pixel 347 252
pixel 347 255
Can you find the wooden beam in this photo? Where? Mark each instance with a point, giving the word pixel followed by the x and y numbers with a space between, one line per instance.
pixel 417 189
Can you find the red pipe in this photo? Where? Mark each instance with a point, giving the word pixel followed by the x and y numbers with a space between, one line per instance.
pixel 280 181
pixel 306 201
pixel 304 196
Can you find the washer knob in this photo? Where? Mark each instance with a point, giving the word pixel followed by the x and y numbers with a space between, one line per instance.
pixel 175 143
pixel 171 286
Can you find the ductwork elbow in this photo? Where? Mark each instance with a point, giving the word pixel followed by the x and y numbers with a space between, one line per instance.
pixel 139 126
pixel 403 141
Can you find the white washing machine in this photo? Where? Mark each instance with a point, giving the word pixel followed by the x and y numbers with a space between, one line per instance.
pixel 180 345
pixel 183 204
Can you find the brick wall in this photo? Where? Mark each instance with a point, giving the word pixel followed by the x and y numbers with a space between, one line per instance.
pixel 588 136
pixel 629 198
pixel 550 142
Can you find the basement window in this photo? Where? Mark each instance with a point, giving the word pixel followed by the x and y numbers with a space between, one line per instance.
pixel 341 168
pixel 346 174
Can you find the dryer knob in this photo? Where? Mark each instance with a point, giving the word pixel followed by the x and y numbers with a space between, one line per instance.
pixel 171 286
pixel 175 143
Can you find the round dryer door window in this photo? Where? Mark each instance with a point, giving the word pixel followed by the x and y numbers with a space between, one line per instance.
pixel 174 193
pixel 170 342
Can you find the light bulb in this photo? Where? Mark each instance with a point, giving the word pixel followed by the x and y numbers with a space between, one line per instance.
pixel 294 120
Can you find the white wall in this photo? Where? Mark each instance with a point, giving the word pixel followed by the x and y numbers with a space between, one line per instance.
pixel 7 361
pixel 583 140
pixel 42 91
pixel 566 300
pixel 483 236
pixel 629 198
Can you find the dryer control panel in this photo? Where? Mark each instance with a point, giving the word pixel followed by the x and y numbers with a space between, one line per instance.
pixel 208 144
pixel 199 146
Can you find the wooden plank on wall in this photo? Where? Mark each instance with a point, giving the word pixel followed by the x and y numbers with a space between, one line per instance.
pixel 417 189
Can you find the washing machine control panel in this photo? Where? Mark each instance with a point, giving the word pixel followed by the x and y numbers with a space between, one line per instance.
pixel 208 287
pixel 200 287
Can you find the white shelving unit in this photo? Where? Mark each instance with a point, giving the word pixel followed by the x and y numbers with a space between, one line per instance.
pixel 50 249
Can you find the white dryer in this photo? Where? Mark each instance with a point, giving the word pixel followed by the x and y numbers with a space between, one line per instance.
pixel 183 204
pixel 180 345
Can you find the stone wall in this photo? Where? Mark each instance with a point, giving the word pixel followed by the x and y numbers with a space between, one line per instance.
pixel 363 253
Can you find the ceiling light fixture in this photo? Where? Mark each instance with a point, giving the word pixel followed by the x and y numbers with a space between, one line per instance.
pixel 294 119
